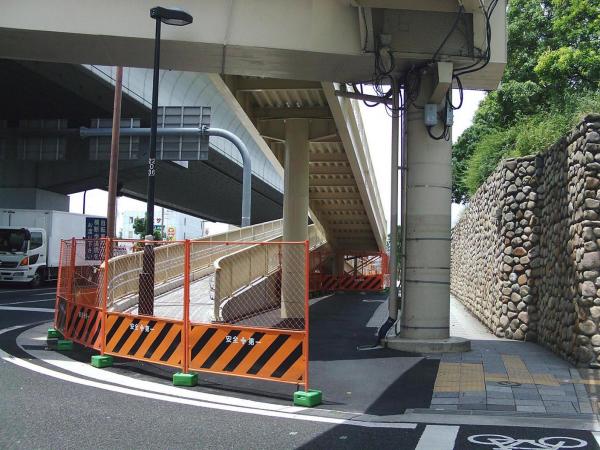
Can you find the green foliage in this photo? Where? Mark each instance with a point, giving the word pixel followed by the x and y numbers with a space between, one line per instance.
pixel 530 134
pixel 572 60
pixel 494 146
pixel 551 80
pixel 139 228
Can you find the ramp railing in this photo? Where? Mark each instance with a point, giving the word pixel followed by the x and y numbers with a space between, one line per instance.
pixel 251 269
pixel 125 267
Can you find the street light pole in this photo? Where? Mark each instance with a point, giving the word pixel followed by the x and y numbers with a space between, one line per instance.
pixel 170 16
pixel 153 127
pixel 114 156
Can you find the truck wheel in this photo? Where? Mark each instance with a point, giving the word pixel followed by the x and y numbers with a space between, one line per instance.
pixel 36 280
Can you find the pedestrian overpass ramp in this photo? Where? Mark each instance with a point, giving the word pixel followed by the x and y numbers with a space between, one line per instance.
pixel 228 281
pixel 343 194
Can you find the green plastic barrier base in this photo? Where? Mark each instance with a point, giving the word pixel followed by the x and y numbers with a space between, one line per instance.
pixel 185 379
pixel 101 361
pixel 53 333
pixel 63 344
pixel 309 398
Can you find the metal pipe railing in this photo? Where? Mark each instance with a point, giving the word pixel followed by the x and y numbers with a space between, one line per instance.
pixel 85 132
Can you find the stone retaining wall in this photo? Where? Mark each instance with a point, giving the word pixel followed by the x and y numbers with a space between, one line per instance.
pixel 525 254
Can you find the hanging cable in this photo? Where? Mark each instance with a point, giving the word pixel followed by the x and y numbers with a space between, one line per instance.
pixel 459 15
pixel 488 32
pixel 460 94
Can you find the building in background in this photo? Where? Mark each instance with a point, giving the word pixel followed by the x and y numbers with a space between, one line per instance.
pixel 177 226
pixel 174 225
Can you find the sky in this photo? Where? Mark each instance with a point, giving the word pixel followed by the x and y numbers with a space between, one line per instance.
pixel 96 203
pixel 378 128
pixel 378 131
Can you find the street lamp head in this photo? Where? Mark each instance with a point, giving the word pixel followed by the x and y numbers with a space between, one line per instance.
pixel 171 16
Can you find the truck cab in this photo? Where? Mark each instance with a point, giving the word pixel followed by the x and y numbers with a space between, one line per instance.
pixel 23 253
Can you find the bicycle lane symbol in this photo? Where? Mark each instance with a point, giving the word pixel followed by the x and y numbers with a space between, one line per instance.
pixel 501 442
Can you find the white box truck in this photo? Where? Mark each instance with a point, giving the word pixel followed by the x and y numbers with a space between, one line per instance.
pixel 30 241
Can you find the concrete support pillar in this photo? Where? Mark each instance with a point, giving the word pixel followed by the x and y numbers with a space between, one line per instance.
pixel 339 263
pixel 295 217
pixel 426 294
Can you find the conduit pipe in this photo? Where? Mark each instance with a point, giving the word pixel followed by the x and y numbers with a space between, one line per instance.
pixel 393 262
pixel 218 132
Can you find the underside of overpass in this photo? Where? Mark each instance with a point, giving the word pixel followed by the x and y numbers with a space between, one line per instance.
pixel 342 191
pixel 36 90
pixel 426 46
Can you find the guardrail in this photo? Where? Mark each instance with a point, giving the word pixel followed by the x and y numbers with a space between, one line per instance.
pixel 251 269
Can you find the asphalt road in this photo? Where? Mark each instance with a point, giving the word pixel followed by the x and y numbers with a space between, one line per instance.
pixel 43 405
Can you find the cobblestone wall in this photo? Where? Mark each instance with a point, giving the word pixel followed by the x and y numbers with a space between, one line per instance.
pixel 526 253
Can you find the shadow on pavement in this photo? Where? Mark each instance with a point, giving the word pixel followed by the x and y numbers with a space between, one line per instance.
pixel 379 381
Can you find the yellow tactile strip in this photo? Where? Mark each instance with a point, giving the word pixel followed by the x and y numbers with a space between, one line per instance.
pixel 448 378
pixel 583 381
pixel 545 379
pixel 495 377
pixel 459 377
pixel 517 370
pixel 470 377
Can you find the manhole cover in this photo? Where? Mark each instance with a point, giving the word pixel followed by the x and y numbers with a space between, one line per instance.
pixel 508 383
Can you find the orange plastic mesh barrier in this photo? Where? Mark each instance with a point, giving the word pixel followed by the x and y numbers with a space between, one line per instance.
pixel 78 311
pixel 351 283
pixel 361 272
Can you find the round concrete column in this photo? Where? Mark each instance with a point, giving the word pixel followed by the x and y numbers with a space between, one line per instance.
pixel 426 300
pixel 295 217
pixel 339 264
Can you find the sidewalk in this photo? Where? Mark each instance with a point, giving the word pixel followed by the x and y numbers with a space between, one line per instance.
pixel 504 375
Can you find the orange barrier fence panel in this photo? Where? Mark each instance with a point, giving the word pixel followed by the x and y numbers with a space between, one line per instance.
pixel 79 323
pixel 78 309
pixel 259 322
pixel 144 301
pixel 248 352
pixel 362 272
pixel 144 338
pixel 236 308
pixel 360 283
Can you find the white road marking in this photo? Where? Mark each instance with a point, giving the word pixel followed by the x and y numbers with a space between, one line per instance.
pixel 438 437
pixel 86 370
pixel 596 435
pixel 17 308
pixel 280 413
pixel 29 301
pixel 16 327
pixel 184 401
pixel 17 291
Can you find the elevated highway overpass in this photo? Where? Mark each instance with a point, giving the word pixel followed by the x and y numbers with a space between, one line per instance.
pixel 278 62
